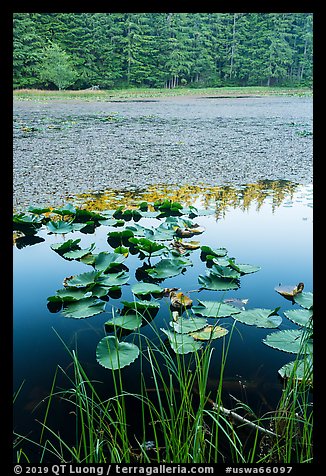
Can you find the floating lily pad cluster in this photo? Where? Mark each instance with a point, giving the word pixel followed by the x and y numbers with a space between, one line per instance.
pixel 296 341
pixel 164 251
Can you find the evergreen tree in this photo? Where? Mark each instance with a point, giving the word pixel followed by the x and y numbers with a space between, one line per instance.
pixel 27 48
pixel 167 49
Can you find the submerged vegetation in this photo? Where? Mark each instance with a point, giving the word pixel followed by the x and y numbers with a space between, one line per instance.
pixel 179 420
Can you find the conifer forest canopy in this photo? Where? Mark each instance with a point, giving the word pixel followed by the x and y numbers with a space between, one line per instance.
pixel 117 50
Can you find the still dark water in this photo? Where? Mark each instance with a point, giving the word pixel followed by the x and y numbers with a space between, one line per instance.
pixel 275 234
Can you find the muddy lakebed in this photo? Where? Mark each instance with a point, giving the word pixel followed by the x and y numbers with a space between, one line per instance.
pixel 245 162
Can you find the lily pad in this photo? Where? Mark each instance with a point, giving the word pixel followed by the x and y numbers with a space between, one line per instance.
pixel 27 224
pixel 304 299
pixel 214 309
pixel 209 333
pixel 77 254
pixel 38 210
pixel 82 280
pixel 166 268
pixel 148 247
pixel 161 233
pixel 182 343
pixel 138 230
pixel 111 222
pixel 225 272
pixel 64 227
pixel 113 279
pixel 105 261
pixel 130 321
pixel 141 305
pixel 184 325
pixel 300 369
pixel 68 294
pixel 122 250
pixel 215 283
pixel 141 289
pixel 83 216
pixel 66 246
pixel 302 317
pixel 244 268
pixel 259 318
pixel 216 252
pixel 119 238
pixel 114 355
pixel 289 341
pixel 65 210
pixel 84 308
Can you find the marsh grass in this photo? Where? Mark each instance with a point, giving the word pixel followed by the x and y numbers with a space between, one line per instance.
pixel 293 419
pixel 177 422
pixel 138 93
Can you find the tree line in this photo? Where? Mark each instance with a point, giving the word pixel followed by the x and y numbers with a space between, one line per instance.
pixel 116 50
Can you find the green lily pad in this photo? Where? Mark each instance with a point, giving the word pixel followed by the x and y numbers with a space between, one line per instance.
pixel 184 325
pixel 83 216
pixel 113 279
pixel 209 333
pixel 28 224
pixel 182 343
pixel 68 294
pixel 215 283
pixel 244 268
pixel 140 289
pixel 128 321
pixel 66 246
pixel 289 341
pixel 122 250
pixel 111 222
pixel 141 305
pixel 119 238
pixel 65 210
pixel 302 317
pixel 213 253
pixel 84 308
pixel 168 207
pixel 77 254
pixel 300 369
pixel 63 227
pixel 304 300
pixel 214 309
pixel 148 247
pixel 166 268
pixel 161 233
pixel 224 272
pixel 82 280
pixel 114 355
pixel 259 318
pixel 137 230
pixel 37 210
pixel 105 261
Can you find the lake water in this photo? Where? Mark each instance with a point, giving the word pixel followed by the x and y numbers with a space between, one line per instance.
pixel 268 225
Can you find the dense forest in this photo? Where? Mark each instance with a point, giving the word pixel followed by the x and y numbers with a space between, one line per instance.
pixel 116 50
